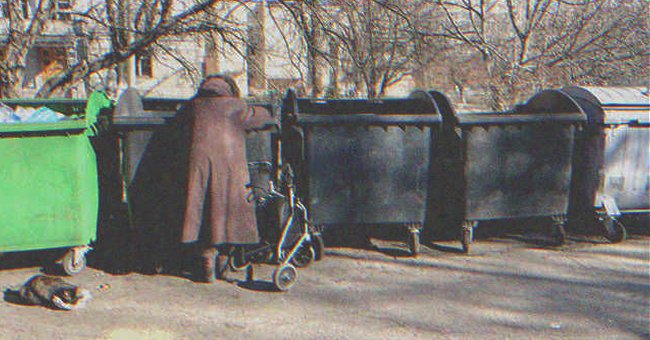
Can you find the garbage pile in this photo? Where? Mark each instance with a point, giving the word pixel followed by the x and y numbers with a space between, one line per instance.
pixel 29 115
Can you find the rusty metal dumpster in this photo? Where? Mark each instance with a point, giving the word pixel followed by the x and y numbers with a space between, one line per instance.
pixel 364 162
pixel 511 165
pixel 49 181
pixel 611 163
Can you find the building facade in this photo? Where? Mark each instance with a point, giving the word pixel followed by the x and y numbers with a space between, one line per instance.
pixel 266 54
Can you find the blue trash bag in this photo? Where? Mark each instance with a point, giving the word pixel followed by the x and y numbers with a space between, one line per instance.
pixel 44 115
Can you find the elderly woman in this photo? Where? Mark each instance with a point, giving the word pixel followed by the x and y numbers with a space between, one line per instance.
pixel 217 213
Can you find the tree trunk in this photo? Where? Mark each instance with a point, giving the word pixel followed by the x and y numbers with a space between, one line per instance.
pixel 211 64
pixel 494 95
pixel 333 88
pixel 256 51
pixel 315 63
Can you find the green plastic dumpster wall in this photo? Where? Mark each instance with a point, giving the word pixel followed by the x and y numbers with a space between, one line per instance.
pixel 48 181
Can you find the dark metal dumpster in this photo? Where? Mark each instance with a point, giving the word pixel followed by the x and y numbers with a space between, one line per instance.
pixel 363 162
pixel 135 127
pixel 153 142
pixel 611 163
pixel 137 118
pixel 510 165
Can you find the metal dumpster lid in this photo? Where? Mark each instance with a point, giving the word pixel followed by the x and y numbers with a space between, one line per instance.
pixel 544 107
pixel 420 108
pixel 134 111
pixel 619 96
pixel 496 118
pixel 612 105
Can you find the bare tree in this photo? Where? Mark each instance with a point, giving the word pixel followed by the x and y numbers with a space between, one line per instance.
pixel 131 27
pixel 525 45
pixel 505 48
pixel 305 18
pixel 380 45
pixel 370 45
pixel 23 32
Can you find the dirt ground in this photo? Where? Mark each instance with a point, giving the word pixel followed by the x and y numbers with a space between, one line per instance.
pixel 506 287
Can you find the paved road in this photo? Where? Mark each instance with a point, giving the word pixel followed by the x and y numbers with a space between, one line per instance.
pixel 507 287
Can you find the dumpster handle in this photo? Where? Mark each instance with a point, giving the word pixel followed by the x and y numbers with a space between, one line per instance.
pixel 97 101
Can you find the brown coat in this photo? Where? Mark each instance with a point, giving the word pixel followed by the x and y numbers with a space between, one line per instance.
pixel 218 171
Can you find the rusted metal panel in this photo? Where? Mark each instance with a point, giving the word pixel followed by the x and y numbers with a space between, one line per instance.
pixel 515 171
pixel 364 161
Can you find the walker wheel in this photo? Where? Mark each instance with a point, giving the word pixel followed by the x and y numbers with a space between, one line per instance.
pixel 235 263
pixel 72 267
pixel 284 277
pixel 304 256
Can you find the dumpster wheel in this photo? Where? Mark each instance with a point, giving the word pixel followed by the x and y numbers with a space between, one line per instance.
pixel 559 232
pixel 74 262
pixel 615 231
pixel 319 246
pixel 467 235
pixel 284 277
pixel 466 239
pixel 304 256
pixel 414 243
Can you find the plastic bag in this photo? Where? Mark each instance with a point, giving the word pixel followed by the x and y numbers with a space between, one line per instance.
pixel 29 115
pixel 7 114
pixel 23 113
pixel 44 115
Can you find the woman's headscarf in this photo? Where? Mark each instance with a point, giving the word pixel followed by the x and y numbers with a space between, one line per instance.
pixel 218 85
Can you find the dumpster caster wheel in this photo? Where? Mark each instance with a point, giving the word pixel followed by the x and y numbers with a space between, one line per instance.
pixel 74 262
pixel 559 235
pixel 467 238
pixel 414 243
pixel 284 277
pixel 319 246
pixel 616 231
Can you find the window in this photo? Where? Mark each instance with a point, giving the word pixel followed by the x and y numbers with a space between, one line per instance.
pixel 63 10
pixel 51 63
pixel 4 9
pixel 51 55
pixel 143 65
pixel 22 6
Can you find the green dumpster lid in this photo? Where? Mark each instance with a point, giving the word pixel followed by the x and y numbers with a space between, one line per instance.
pixel 91 107
pixel 67 106
pixel 70 125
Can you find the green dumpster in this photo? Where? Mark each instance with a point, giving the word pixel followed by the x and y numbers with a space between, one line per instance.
pixel 48 180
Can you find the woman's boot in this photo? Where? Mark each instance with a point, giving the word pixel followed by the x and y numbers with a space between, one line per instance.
pixel 208 264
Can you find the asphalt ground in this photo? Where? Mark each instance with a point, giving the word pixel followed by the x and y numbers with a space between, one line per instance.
pixel 511 285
